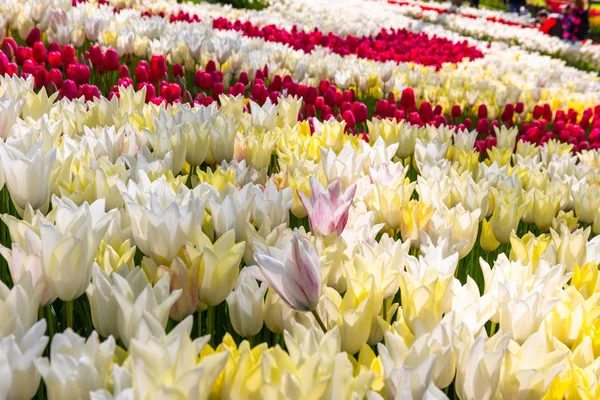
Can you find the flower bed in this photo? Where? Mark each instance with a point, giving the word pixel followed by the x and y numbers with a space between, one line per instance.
pixel 200 202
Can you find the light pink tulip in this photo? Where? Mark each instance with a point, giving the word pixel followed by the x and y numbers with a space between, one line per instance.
pixel 327 208
pixel 294 272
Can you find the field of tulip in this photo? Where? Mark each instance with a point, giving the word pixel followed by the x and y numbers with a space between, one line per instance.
pixel 380 199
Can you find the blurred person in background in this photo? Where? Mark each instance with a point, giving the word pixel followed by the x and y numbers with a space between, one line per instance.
pixel 576 23
pixel 516 6
pixel 550 24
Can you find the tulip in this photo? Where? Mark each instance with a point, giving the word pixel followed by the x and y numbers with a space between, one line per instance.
pixel 18 306
pixel 293 272
pixel 479 366
pixel 27 175
pixel 137 299
pixel 246 303
pixel 570 248
pixel 158 68
pixel 103 304
pixel 175 368
pixel 77 366
pixel 219 267
pixel 157 211
pixel 27 259
pixel 328 208
pixel 20 378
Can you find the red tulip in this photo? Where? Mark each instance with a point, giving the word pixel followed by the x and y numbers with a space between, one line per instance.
pixel 204 80
pixel 456 112
pixel 141 73
pixel 78 73
pixel 210 67
pixel 56 77
pixel 482 111
pixel 310 96
pixel 158 68
pixel 123 71
pixel 218 89
pixel 361 113
pixel 111 60
pixel 348 116
pixel 68 90
pixel 407 99
pixel 54 59
pixel 96 56
pixel 34 36
pixel 381 108
pixel 39 52
pixel 244 78
pixel 483 126
pixel 177 70
pixel 67 55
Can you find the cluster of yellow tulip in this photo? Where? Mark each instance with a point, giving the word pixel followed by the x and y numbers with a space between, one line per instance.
pixel 172 251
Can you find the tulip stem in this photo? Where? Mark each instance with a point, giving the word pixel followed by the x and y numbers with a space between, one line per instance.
pixel 210 322
pixel 319 320
pixel 69 306
pixel 492 329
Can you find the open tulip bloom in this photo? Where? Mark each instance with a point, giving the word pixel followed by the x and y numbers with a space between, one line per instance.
pixel 368 199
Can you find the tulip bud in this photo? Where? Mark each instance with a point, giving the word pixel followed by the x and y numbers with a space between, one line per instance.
pixel 68 90
pixel 246 304
pixel 158 67
pixel 407 99
pixel 123 71
pixel 537 112
pixel 34 36
pixel 456 112
pixel 177 70
pixel 211 67
pixel 482 111
pixel 348 116
pixel 111 60
pixel 55 76
pixel 204 80
pixel 67 55
pixel 39 52
pixel 520 107
pixel 218 89
pixel 141 73
pixel 310 96
pixel 244 78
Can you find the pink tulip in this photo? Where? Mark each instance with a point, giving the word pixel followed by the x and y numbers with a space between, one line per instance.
pixel 327 208
pixel 294 272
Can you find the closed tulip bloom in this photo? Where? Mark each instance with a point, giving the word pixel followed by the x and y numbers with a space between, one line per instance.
pixel 137 299
pixel 246 303
pixel 415 218
pixel 328 208
pixel 479 365
pixel 219 268
pixel 76 366
pixel 28 175
pixel 175 369
pixel 17 307
pixel 28 259
pixel 20 379
pixel 570 248
pixel 103 304
pixel 293 272
pixel 69 247
pixel 157 211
